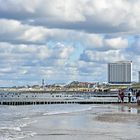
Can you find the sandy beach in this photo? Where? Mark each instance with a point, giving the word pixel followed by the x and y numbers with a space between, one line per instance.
pixel 102 122
pixel 124 116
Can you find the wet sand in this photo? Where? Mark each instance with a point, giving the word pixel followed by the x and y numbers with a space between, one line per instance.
pixel 134 105
pixel 124 116
pixel 118 118
pixel 104 122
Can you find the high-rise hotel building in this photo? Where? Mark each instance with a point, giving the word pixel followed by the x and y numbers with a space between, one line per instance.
pixel 120 72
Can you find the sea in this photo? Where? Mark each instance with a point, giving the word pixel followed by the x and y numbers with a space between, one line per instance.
pixel 69 121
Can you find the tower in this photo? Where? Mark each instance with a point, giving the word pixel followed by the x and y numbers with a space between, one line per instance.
pixel 43 82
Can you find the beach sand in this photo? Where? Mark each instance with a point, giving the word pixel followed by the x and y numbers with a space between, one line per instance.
pixel 103 122
pixel 123 116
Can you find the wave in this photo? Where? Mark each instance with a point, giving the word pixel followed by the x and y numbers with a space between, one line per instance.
pixel 24 135
pixel 24 124
pixel 8 133
pixel 67 111
pixel 26 118
pixel 11 128
pixel 4 138
pixel 14 131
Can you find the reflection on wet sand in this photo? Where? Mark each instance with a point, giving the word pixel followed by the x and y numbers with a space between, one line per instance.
pixel 128 109
pixel 123 114
pixel 100 122
pixel 131 108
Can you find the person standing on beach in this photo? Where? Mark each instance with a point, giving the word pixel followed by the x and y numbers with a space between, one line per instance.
pixel 129 97
pixel 121 95
pixel 138 97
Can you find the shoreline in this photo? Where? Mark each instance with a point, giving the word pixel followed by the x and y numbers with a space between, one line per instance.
pixel 128 113
pixel 130 105
pixel 106 123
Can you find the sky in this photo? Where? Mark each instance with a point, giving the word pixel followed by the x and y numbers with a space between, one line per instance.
pixel 66 40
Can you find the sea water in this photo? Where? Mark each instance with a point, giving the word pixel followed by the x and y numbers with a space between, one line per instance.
pixel 64 121
pixel 14 118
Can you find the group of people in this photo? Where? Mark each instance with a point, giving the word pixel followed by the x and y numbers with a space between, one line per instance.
pixel 121 96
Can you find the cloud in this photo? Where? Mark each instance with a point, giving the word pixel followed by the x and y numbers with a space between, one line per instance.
pixel 90 16
pixel 22 61
pixel 66 40
pixel 102 57
pixel 116 43
pixel 20 33
pixel 134 48
pixel 101 43
pixel 40 52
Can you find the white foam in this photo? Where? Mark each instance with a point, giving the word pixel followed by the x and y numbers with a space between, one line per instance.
pixel 67 112
pixel 4 138
pixel 26 118
pixel 32 134
pixel 11 128
pixel 28 134
pixel 17 135
pixel 27 123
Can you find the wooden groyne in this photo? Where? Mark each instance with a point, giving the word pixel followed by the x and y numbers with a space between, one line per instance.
pixel 96 100
pixel 56 102
pixel 60 98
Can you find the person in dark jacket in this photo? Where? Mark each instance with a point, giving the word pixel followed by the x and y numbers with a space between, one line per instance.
pixel 138 97
pixel 129 97
pixel 121 95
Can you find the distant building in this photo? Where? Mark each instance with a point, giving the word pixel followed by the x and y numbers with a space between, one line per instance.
pixel 120 72
pixel 139 76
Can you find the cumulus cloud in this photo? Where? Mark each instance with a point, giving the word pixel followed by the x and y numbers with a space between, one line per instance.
pixel 20 33
pixel 66 40
pixel 91 16
pixel 116 43
pixel 101 43
pixel 134 48
pixel 102 57
pixel 40 52
pixel 21 60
